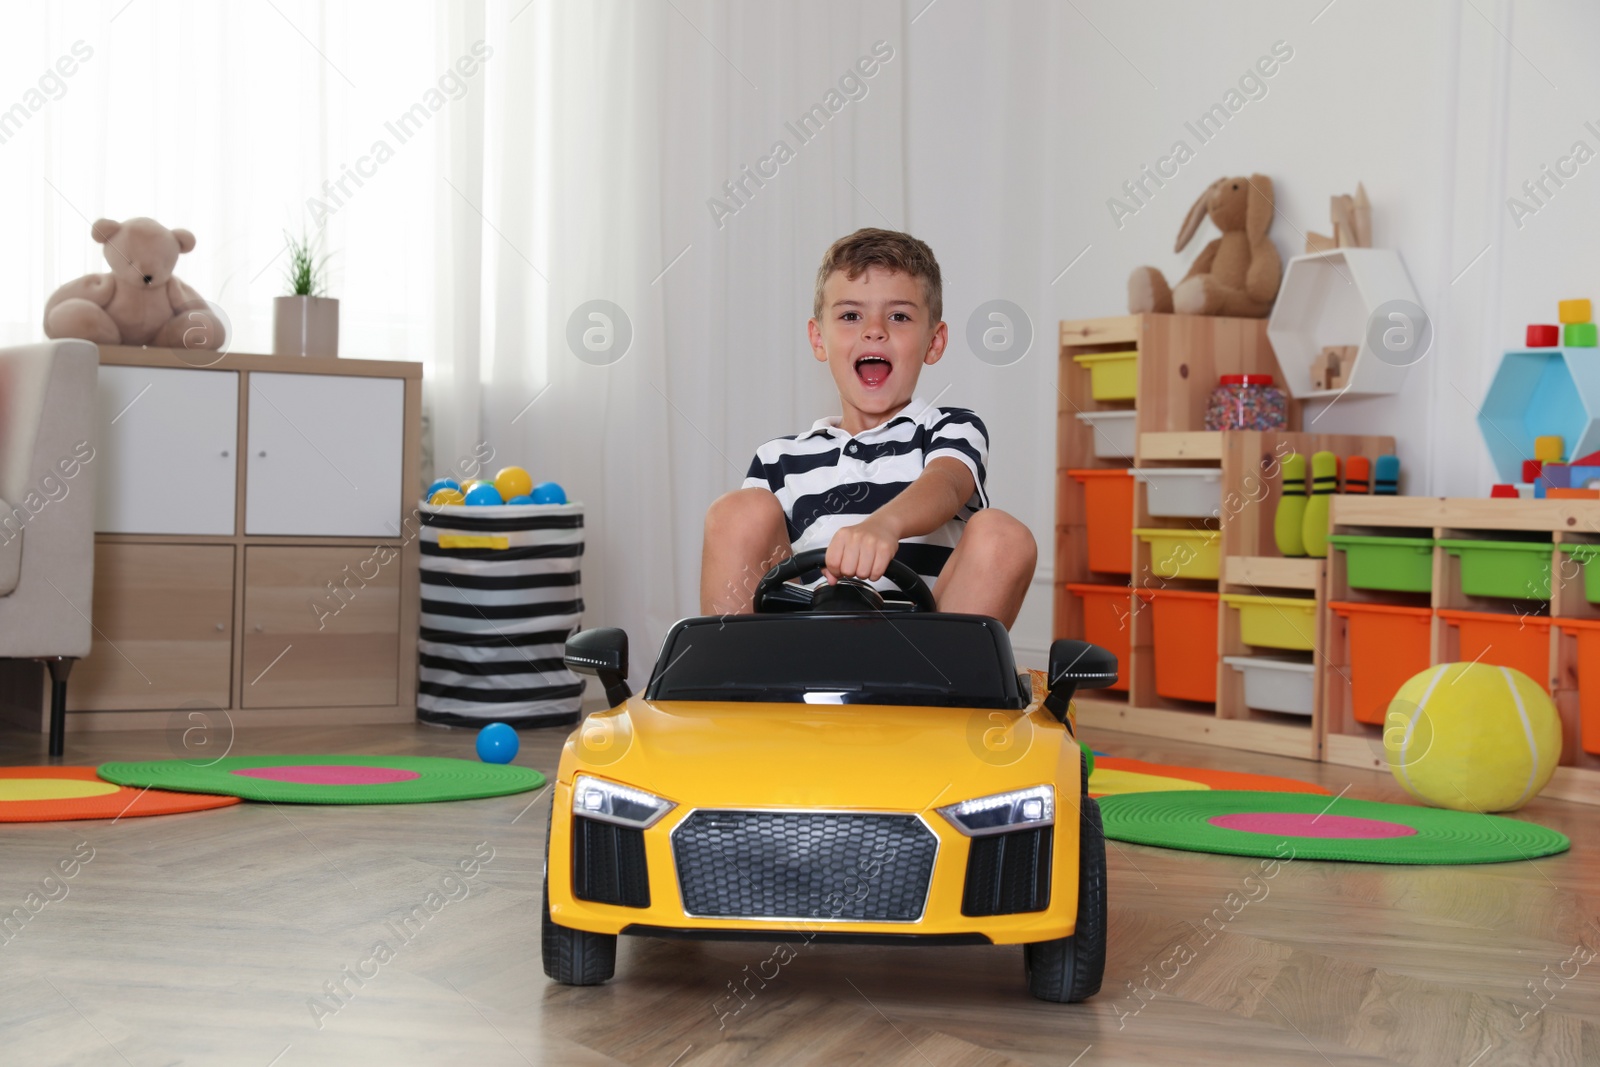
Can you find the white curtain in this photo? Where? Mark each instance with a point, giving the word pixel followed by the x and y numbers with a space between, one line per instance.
pixel 478 171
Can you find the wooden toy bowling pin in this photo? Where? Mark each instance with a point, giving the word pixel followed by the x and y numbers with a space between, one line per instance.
pixel 1386 476
pixel 1324 483
pixel 1288 523
pixel 1358 475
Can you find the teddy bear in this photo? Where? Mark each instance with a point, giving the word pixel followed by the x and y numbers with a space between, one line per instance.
pixel 141 302
pixel 1236 274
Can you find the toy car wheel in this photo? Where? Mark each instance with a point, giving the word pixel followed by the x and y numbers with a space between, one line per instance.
pixel 574 957
pixel 1068 969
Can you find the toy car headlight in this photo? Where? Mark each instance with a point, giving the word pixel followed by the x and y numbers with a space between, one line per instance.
pixel 1003 812
pixel 596 798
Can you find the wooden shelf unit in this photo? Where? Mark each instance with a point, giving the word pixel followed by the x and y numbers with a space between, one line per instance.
pixel 1358 744
pixel 205 622
pixel 1180 360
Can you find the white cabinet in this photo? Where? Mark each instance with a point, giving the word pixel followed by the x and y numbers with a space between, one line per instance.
pixel 166 450
pixel 324 455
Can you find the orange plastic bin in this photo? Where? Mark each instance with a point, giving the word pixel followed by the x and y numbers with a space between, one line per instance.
pixel 1108 506
pixel 1587 631
pixel 1185 643
pixel 1388 644
pixel 1108 621
pixel 1521 642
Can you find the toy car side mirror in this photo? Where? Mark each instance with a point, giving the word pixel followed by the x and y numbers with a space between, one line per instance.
pixel 602 652
pixel 1076 665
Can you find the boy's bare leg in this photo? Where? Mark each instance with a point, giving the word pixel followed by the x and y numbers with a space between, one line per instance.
pixel 990 569
pixel 746 535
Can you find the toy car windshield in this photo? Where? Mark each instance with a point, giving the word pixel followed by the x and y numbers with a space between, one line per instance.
pixel 918 659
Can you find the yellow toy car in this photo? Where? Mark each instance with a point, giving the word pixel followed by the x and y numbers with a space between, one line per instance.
pixel 838 767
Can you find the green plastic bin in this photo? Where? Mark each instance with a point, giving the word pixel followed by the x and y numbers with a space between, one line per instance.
pixel 1518 570
pixel 1589 556
pixel 1397 564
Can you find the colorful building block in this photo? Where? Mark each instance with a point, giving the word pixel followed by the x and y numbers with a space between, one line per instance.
pixel 1573 494
pixel 1530 469
pixel 1547 449
pixel 1582 477
pixel 1504 490
pixel 1554 474
pixel 1580 335
pixel 1574 311
pixel 1541 335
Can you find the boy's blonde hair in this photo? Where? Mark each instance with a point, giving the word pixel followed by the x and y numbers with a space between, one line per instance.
pixel 890 250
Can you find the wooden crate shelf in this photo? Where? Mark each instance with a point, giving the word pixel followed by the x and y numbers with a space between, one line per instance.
pixel 1563 521
pixel 1180 360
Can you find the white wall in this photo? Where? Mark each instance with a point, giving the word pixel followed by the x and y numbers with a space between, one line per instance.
pixel 1024 119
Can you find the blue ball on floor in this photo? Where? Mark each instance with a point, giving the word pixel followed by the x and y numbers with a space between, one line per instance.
pixel 549 493
pixel 497 743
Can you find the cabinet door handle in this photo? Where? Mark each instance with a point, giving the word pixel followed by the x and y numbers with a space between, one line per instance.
pixel 262 453
pixel 219 627
pixel 224 453
pixel 259 627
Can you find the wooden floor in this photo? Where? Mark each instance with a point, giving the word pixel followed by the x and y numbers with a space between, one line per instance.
pixel 208 938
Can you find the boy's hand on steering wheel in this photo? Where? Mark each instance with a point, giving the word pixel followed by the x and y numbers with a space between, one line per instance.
pixel 862 551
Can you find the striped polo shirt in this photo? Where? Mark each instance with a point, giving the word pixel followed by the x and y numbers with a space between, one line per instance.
pixel 826 479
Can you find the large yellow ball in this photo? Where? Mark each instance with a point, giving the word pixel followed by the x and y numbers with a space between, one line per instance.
pixel 1472 737
pixel 513 481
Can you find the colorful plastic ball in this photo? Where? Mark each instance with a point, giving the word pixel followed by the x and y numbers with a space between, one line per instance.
pixel 446 496
pixel 1472 737
pixel 497 743
pixel 484 495
pixel 466 486
pixel 442 483
pixel 549 493
pixel 513 481
pixel 524 499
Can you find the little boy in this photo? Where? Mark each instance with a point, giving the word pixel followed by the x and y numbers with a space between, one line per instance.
pixel 892 476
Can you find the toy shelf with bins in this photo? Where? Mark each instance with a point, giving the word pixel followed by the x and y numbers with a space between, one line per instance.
pixel 1201 699
pixel 1539 618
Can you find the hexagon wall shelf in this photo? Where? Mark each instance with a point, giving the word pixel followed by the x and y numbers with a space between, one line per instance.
pixel 1541 391
pixel 1326 299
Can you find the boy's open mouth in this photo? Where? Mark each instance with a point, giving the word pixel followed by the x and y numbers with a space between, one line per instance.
pixel 873 370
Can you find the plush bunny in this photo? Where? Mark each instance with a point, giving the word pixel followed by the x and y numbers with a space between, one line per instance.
pixel 140 302
pixel 1237 274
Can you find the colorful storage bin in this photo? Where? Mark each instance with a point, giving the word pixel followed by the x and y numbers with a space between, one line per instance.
pixel 1586 556
pixel 1114 434
pixel 1185 650
pixel 1275 684
pixel 1518 570
pixel 1108 621
pixel 1108 519
pixel 1387 645
pixel 1587 631
pixel 1392 564
pixel 1521 642
pixel 1184 553
pixel 1276 621
pixel 1182 492
pixel 1112 375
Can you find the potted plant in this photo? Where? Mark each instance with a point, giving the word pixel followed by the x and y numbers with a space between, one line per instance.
pixel 305 322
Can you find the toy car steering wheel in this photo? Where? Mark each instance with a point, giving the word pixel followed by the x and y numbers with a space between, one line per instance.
pixel 848 594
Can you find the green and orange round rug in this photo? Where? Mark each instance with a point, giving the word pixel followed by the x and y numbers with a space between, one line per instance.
pixel 331 779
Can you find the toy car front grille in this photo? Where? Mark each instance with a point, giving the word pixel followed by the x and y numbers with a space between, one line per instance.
pixel 1008 873
pixel 608 865
pixel 819 866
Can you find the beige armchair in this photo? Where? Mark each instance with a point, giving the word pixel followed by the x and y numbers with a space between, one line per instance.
pixel 47 476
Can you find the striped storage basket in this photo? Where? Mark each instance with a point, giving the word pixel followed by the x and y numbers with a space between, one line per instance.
pixel 500 597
